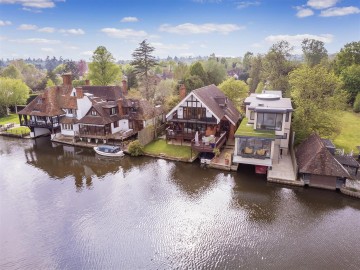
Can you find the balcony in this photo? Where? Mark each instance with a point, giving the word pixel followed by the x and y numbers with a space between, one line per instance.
pixel 39 124
pixel 205 120
pixel 204 145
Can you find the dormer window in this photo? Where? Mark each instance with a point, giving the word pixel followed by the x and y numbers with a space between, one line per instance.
pixel 113 110
pixel 39 101
pixel 93 112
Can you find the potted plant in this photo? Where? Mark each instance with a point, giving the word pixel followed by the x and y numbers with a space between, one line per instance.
pixel 216 152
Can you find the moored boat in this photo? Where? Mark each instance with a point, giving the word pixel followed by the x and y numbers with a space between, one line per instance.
pixel 109 150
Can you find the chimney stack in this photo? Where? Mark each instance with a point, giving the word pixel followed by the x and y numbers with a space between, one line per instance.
pixel 124 87
pixel 87 82
pixel 79 92
pixel 182 91
pixel 67 79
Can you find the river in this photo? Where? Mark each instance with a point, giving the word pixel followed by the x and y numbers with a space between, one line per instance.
pixel 68 208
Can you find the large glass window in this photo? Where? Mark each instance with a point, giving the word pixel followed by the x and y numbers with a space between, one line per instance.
pixel 270 121
pixel 254 148
pixel 194 113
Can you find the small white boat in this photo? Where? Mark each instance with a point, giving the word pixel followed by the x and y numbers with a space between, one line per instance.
pixel 109 150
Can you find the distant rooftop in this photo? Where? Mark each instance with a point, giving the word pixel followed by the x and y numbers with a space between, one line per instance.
pixel 246 130
pixel 269 100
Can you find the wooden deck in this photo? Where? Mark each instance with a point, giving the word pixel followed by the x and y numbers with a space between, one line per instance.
pixel 209 147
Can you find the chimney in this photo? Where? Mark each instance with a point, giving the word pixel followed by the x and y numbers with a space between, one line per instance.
pixel 87 82
pixel 182 91
pixel 119 103
pixel 79 92
pixel 124 87
pixel 67 79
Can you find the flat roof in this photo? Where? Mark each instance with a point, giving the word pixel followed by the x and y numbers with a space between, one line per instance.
pixel 246 130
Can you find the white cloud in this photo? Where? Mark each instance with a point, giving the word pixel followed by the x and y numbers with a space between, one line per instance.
pixel 47 49
pixel 47 30
pixel 208 1
pixel 27 27
pixel 129 19
pixel 245 4
pixel 31 3
pixel 4 23
pixel 297 39
pixel 189 28
pixel 3 38
pixel 304 12
pixel 159 45
pixel 71 47
pixel 339 11
pixel 257 45
pixel 72 31
pixel 36 41
pixel 321 4
pixel 124 33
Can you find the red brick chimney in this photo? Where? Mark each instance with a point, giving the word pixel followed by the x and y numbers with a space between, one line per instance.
pixel 119 103
pixel 182 91
pixel 124 87
pixel 67 79
pixel 79 92
pixel 87 82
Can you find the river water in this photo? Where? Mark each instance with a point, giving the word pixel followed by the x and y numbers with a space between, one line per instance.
pixel 68 208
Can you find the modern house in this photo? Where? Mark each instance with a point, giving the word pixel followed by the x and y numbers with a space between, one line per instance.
pixel 205 116
pixel 318 167
pixel 263 136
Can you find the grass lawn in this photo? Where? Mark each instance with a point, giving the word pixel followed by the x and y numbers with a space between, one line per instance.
pixel 12 118
pixel 19 130
pixel 349 137
pixel 157 147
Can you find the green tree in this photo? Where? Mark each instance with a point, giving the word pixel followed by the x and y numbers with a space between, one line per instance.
pixel 164 89
pixel 180 71
pixel 276 66
pixel 260 88
pixel 102 69
pixel 356 106
pixel 318 100
pixel 255 72
pixel 11 72
pixel 349 55
pixel 197 69
pixel 49 83
pixel 351 79
pixel 314 51
pixel 143 61
pixel 171 102
pixel 193 82
pixel 13 92
pixel 216 72
pixel 247 61
pixel 72 67
pixel 129 72
pixel 235 90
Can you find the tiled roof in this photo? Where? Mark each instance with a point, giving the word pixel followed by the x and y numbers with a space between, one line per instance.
pixel 314 158
pixel 109 93
pixel 347 160
pixel 210 96
pixel 103 116
pixel 51 102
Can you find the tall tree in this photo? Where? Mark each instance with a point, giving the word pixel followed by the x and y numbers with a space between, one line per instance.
pixel 349 55
pixel 216 72
pixel 277 66
pixel 351 79
pixel 314 51
pixel 129 71
pixel 180 71
pixel 247 61
pixel 143 61
pixel 318 100
pixel 255 72
pixel 103 70
pixel 82 67
pixel 12 92
pixel 11 72
pixel 235 90
pixel 197 69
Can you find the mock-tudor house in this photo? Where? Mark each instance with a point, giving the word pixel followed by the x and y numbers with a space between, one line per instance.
pixel 318 167
pixel 205 113
pixel 263 136
pixel 44 113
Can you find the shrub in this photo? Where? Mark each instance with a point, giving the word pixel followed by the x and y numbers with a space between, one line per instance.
pixel 357 103
pixel 216 151
pixel 135 148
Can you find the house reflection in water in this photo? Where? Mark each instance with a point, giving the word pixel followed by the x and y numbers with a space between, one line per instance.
pixel 62 161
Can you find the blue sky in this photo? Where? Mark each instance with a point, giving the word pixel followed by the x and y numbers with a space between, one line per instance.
pixel 74 28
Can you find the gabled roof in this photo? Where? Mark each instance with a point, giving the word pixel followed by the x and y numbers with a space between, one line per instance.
pixel 347 160
pixel 103 116
pixel 109 93
pixel 314 158
pixel 51 102
pixel 212 97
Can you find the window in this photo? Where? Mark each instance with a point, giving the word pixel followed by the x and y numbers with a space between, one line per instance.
pixel 194 113
pixel 287 117
pixel 113 110
pixel 93 112
pixel 67 126
pixel 252 115
pixel 269 121
pixel 116 124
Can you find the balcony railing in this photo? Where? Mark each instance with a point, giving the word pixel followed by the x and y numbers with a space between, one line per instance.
pixel 195 119
pixel 39 124
pixel 203 145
